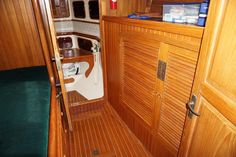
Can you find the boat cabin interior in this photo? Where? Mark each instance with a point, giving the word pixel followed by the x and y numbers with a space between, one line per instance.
pixel 118 78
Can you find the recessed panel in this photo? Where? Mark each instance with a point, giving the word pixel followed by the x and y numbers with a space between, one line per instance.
pixel 223 71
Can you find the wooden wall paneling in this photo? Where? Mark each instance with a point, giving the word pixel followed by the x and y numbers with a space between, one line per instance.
pixel 20 44
pixel 124 7
pixel 111 40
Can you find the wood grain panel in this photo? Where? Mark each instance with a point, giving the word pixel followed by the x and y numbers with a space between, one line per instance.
pixel 111 40
pixel 19 40
pixel 188 32
pixel 100 132
pixel 126 7
pixel 181 66
pixel 222 138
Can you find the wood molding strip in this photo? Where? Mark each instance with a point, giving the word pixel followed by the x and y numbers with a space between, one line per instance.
pixel 79 34
pixel 183 29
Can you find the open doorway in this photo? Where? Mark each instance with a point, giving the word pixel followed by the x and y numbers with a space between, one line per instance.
pixel 78 35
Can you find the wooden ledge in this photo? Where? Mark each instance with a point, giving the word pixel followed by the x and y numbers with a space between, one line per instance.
pixel 78 55
pixel 183 29
pixel 79 34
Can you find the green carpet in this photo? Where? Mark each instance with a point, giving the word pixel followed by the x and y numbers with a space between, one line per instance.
pixel 24 112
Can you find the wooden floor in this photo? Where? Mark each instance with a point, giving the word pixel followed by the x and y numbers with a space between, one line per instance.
pixel 99 132
pixel 76 98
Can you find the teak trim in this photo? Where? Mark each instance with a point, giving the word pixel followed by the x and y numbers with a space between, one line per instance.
pixel 184 29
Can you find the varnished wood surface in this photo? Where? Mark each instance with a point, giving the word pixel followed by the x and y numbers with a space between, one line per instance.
pixel 183 29
pixel 125 7
pixel 215 87
pixel 78 55
pixel 153 109
pixel 101 130
pixel 19 40
pixel 216 133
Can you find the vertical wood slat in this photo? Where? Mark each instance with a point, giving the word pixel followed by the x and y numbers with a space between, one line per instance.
pixel 19 41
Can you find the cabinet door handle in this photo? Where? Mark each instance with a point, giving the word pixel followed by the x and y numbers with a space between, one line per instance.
pixel 190 106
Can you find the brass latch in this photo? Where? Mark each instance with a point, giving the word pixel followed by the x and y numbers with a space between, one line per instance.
pixel 161 72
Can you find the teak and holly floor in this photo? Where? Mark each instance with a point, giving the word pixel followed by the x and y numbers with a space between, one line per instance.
pixel 99 132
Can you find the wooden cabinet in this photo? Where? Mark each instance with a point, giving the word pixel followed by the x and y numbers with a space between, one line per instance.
pixel 152 107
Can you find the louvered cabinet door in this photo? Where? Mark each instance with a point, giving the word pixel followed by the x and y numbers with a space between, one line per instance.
pixel 138 75
pixel 175 92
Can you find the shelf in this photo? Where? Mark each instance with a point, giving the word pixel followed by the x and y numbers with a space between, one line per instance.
pixel 78 55
pixel 176 28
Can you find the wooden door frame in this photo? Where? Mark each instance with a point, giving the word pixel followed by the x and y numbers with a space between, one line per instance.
pixel 57 56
